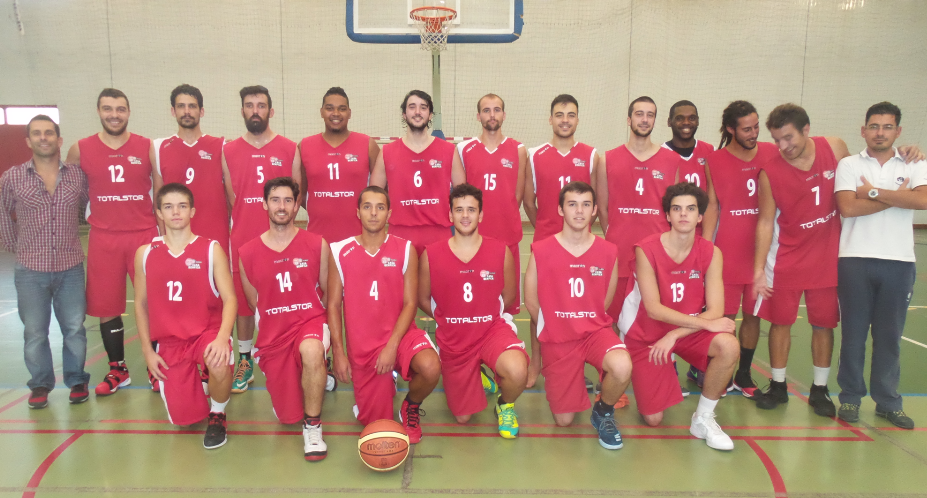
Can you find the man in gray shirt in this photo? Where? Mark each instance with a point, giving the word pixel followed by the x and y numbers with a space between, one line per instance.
pixel 877 193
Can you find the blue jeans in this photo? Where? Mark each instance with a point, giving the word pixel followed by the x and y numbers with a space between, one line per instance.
pixel 37 294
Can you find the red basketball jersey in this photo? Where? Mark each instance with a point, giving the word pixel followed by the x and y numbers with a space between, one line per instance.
pixel 287 285
pixel 806 238
pixel 199 167
pixel 119 182
pixel 373 291
pixel 635 198
pixel 419 183
pixel 682 288
pixel 572 290
pixel 551 170
pixel 692 167
pixel 183 301
pixel 496 173
pixel 466 298
pixel 735 184
pixel 250 168
pixel 335 178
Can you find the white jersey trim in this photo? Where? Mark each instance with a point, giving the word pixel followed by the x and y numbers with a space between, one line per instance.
pixel 405 263
pixel 212 273
pixel 534 176
pixel 773 251
pixel 460 148
pixel 156 143
pixel 592 162
pixel 336 253
pixel 629 310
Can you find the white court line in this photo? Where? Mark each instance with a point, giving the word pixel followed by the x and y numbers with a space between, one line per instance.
pixel 9 312
pixel 915 342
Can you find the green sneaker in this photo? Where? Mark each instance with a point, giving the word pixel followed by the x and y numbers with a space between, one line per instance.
pixel 489 384
pixel 508 421
pixel 244 375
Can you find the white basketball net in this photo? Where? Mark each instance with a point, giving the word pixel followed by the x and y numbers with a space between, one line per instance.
pixel 433 26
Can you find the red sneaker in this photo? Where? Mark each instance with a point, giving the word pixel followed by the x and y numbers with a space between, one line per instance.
pixel 155 383
pixel 409 415
pixel 117 377
pixel 38 398
pixel 79 394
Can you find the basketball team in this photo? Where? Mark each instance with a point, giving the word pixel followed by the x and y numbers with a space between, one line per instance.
pixel 205 228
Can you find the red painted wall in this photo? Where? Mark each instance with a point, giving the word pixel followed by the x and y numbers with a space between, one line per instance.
pixel 13 148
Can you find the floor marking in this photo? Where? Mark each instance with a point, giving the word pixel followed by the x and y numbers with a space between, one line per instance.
pixel 915 342
pixel 49 460
pixel 13 403
pixel 408 468
pixel 774 475
pixel 9 312
pixel 898 444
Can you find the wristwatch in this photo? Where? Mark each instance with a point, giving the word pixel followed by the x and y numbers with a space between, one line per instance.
pixel 873 193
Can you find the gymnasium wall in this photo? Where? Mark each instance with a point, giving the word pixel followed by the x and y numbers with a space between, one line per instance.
pixel 834 57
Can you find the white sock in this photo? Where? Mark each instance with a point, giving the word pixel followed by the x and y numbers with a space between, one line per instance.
pixel 245 346
pixel 778 374
pixel 705 406
pixel 820 375
pixel 217 407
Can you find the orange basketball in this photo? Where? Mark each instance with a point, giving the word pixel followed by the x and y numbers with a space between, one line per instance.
pixel 383 445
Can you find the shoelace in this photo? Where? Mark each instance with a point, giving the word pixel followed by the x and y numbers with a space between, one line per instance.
pixel 315 434
pixel 413 415
pixel 899 413
pixel 608 425
pixel 711 424
pixel 214 419
pixel 508 415
pixel 242 367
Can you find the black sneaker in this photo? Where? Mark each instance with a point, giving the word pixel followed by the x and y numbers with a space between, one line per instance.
pixel 777 394
pixel 215 431
pixel 898 418
pixel 848 412
pixel 819 399
pixel 743 382
pixel 38 398
pixel 79 394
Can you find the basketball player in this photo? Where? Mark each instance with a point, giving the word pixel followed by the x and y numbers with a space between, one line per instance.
pixel 337 165
pixel 377 285
pixel 555 164
pixel 731 217
pixel 496 163
pixel 797 242
pixel 249 162
pixel 465 284
pixel 185 300
pixel 630 189
pixel 797 237
pixel 282 273
pixel 678 281
pixel 121 218
pixel 569 283
pixel 194 159
pixel 683 121
pixel 420 170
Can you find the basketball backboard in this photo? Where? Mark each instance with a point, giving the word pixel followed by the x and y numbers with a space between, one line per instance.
pixel 478 21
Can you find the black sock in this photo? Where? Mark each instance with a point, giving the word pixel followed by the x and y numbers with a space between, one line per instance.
pixel 113 333
pixel 501 402
pixel 413 403
pixel 246 356
pixel 746 359
pixel 310 420
pixel 603 408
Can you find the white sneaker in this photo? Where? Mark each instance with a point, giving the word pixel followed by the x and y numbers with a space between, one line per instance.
pixel 331 383
pixel 315 448
pixel 706 428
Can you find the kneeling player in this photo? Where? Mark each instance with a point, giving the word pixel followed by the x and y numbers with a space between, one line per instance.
pixel 377 283
pixel 569 283
pixel 282 271
pixel 185 300
pixel 678 281
pixel 465 283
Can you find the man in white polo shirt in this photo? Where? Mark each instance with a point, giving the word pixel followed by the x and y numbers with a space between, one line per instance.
pixel 877 193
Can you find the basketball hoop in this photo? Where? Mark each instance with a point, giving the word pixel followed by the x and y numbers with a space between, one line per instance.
pixel 433 24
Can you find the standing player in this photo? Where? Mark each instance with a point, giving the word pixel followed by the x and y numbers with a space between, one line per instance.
pixel 185 300
pixel 248 162
pixel 465 284
pixel 569 283
pixel 282 272
pixel 420 170
pixel 683 121
pixel 497 164
pixel 677 278
pixel 555 164
pixel 337 165
pixel 731 216
pixel 797 238
pixel 193 159
pixel 377 284
pixel 118 169
pixel 630 189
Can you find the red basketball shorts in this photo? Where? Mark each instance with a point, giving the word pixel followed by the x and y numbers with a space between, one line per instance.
pixel 461 371
pixel 782 308
pixel 283 368
pixel 737 294
pixel 656 387
pixel 562 367
pixel 110 257
pixel 182 391
pixel 374 393
pixel 515 308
